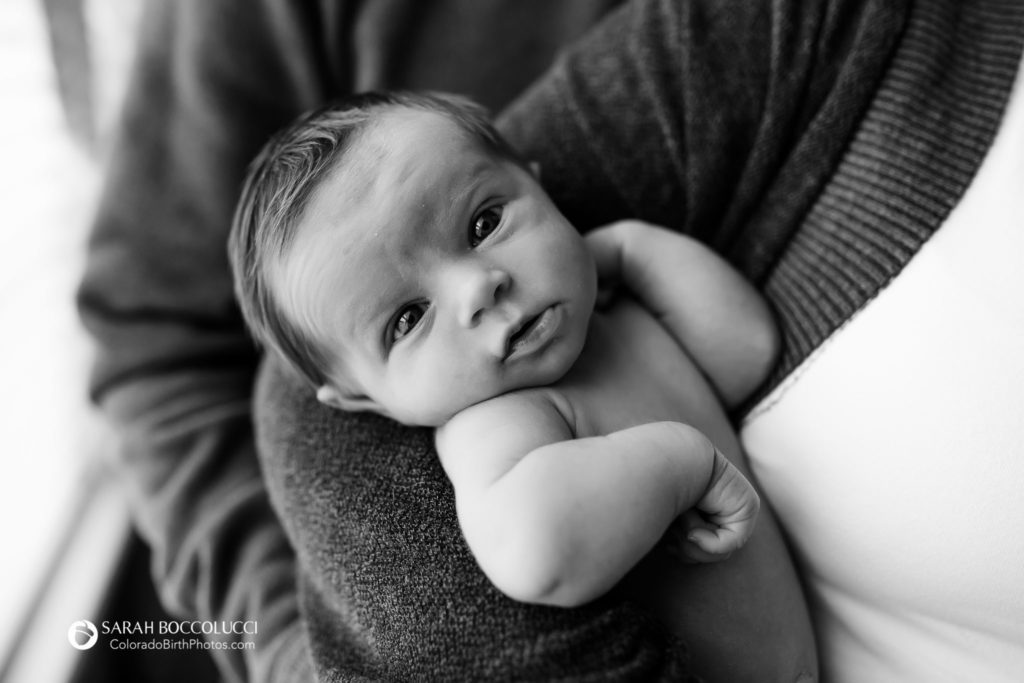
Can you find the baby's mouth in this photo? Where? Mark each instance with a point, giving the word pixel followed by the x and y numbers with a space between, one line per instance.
pixel 519 334
pixel 532 331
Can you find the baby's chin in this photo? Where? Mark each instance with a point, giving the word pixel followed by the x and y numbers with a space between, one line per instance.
pixel 554 366
pixel 549 372
pixel 445 410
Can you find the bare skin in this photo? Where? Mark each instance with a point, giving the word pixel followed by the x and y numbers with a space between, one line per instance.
pixel 744 618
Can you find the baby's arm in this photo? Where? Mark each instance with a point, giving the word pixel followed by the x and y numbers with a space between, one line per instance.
pixel 559 521
pixel 716 315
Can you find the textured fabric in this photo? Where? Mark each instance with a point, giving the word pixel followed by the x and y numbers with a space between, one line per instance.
pixel 910 162
pixel 393 592
pixel 722 119
pixel 762 164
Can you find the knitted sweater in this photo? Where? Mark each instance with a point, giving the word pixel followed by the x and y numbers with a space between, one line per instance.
pixel 815 185
pixel 816 146
pixel 727 121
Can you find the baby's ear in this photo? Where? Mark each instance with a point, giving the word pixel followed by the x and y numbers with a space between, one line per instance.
pixel 348 401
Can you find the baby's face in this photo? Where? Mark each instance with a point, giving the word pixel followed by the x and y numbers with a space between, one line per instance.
pixel 437 274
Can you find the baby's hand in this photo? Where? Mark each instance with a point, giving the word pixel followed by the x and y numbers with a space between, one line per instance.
pixel 606 251
pixel 721 522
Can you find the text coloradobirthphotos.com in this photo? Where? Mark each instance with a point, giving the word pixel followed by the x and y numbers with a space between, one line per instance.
pixel 164 635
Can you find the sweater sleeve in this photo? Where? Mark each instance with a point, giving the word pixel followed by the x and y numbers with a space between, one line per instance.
pixel 174 367
pixel 389 587
pixel 719 119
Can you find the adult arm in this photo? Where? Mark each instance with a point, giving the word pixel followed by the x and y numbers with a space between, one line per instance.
pixel 720 120
pixel 175 368
pixel 393 591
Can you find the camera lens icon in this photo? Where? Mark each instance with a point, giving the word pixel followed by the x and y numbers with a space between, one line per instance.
pixel 82 634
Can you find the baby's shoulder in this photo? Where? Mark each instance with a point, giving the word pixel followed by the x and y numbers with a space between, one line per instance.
pixel 530 405
pixel 502 430
pixel 532 409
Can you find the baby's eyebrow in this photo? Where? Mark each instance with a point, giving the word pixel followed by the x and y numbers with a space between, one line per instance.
pixel 368 320
pixel 470 184
pixel 376 328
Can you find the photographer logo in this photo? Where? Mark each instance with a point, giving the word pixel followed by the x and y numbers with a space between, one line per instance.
pixel 82 634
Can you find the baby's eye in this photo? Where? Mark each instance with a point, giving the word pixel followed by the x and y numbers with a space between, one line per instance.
pixel 484 223
pixel 408 318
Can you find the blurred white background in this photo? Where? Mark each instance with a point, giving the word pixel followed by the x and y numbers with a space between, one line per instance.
pixel 56 512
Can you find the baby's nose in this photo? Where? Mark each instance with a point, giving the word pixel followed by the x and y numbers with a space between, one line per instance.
pixel 480 292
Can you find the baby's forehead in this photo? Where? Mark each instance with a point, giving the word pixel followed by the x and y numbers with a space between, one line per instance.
pixel 402 140
pixel 410 162
pixel 388 201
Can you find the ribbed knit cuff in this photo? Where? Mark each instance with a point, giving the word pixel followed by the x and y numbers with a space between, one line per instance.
pixel 920 144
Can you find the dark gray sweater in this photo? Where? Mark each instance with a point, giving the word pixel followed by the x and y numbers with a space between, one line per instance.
pixel 816 145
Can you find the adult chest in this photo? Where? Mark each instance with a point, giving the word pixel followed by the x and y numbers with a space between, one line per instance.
pixel 894 455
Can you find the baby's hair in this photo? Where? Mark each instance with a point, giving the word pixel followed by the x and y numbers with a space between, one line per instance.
pixel 278 187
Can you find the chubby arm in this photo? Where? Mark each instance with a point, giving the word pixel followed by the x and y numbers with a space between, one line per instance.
pixel 559 521
pixel 716 315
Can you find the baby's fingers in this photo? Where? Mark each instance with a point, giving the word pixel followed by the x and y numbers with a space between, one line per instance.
pixel 718 543
pixel 679 545
pixel 729 509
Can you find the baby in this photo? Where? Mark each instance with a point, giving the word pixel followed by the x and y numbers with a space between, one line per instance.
pixel 402 257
